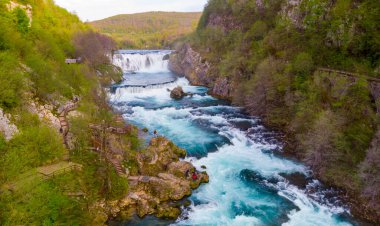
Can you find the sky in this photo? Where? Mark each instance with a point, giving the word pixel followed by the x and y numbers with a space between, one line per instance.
pixel 89 10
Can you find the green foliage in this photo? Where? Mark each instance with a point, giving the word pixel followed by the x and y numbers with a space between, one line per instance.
pixel 33 68
pixel 30 149
pixel 11 80
pixel 303 64
pixel 259 29
pixel 22 20
pixel 45 204
pixel 271 61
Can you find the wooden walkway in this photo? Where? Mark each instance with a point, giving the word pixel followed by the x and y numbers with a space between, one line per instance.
pixel 348 74
pixel 71 106
pixel 38 175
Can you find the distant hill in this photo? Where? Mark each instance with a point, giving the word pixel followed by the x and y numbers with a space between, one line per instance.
pixel 148 30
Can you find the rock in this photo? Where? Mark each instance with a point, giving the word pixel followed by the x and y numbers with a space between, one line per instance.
pixel 180 169
pixel 8 129
pixel 189 63
pixel 45 113
pixel 222 88
pixel 166 57
pixel 168 212
pixel 162 181
pixel 177 93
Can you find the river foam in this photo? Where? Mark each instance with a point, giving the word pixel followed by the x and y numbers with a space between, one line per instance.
pixel 247 183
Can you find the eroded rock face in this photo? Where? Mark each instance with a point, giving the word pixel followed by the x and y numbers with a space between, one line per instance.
pixel 45 113
pixel 222 88
pixel 177 93
pixel 8 129
pixel 189 63
pixel 162 179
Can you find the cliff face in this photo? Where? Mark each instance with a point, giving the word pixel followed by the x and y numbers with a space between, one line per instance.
pixel 276 70
pixel 161 179
pixel 7 128
pixel 189 63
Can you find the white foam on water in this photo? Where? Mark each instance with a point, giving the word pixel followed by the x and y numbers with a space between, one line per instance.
pixel 226 189
pixel 142 61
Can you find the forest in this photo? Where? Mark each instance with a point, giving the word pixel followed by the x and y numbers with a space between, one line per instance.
pixel 271 54
pixel 35 39
pixel 152 30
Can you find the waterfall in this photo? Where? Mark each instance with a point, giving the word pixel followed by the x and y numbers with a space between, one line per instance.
pixel 142 61
pixel 144 70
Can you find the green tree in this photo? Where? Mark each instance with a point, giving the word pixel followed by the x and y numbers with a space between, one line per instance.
pixel 22 20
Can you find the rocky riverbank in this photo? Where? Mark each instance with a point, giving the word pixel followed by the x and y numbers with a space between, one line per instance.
pixel 188 62
pixel 158 180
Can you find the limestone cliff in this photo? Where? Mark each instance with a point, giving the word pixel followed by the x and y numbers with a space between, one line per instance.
pixel 161 178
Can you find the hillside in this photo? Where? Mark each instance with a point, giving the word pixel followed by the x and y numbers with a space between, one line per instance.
pixel 147 30
pixel 46 106
pixel 307 68
pixel 66 158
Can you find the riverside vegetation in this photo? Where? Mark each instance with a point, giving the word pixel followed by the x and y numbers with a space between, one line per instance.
pixel 36 37
pixel 265 55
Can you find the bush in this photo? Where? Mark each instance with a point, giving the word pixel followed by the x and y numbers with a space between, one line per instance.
pixel 33 147
pixel 303 64
pixel 11 83
pixel 21 20
pixel 94 47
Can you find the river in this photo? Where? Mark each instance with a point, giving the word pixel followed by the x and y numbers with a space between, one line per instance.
pixel 250 183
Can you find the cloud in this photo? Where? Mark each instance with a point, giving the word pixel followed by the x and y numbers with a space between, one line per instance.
pixel 99 9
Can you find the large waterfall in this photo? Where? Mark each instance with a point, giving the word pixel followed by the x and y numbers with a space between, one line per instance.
pixel 249 183
pixel 148 61
pixel 143 69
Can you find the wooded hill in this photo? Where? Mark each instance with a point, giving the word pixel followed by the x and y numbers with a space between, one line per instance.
pixel 267 57
pixel 148 30
pixel 42 180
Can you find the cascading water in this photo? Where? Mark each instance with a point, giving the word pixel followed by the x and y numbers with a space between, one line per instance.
pixel 143 69
pixel 249 184
pixel 142 61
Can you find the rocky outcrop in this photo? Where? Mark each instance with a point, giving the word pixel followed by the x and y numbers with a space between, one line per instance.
pixel 370 173
pixel 45 113
pixel 222 88
pixel 8 129
pixel 162 178
pixel 291 12
pixel 177 93
pixel 189 63
pixel 224 22
pixel 28 9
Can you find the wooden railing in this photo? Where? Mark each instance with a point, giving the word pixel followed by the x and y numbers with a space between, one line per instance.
pixel 349 74
pixel 64 170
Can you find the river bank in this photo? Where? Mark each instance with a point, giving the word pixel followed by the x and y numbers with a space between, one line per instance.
pixel 186 61
pixel 249 182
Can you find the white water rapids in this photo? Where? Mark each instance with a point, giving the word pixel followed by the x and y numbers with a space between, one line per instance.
pixel 249 184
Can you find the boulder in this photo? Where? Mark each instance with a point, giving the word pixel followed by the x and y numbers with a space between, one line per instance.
pixel 166 57
pixel 180 169
pixel 177 93
pixel 8 129
pixel 162 180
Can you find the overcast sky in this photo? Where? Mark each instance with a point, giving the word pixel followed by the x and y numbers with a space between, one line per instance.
pixel 99 9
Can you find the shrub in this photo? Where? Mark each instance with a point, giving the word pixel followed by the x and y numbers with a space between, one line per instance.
pixel 10 81
pixel 94 47
pixel 303 64
pixel 21 20
pixel 33 147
